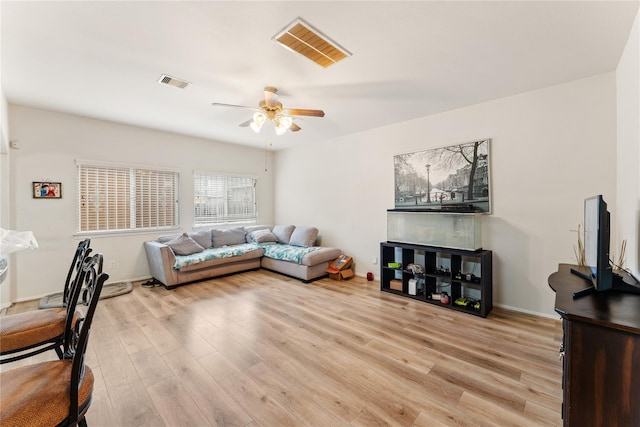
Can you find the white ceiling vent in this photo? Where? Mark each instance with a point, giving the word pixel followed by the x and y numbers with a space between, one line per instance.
pixel 172 81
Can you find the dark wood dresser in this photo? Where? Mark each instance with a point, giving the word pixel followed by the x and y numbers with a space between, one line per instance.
pixel 601 348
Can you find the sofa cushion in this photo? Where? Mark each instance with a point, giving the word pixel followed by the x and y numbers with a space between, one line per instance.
pixel 307 256
pixel 322 255
pixel 203 237
pixel 304 236
pixel 184 245
pixel 289 253
pixel 283 233
pixel 217 256
pixel 227 237
pixel 262 236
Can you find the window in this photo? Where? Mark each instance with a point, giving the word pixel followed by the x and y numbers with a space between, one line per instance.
pixel 121 198
pixel 220 198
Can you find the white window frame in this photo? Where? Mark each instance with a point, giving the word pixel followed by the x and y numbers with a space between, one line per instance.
pixel 223 198
pixel 141 206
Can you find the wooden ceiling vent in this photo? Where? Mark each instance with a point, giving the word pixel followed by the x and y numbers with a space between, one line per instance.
pixel 302 38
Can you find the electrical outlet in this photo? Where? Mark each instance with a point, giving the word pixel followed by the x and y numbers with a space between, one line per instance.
pixel 374 260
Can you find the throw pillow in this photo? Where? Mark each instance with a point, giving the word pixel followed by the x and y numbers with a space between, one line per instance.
pixel 202 237
pixel 283 232
pixel 227 237
pixel 165 238
pixel 184 245
pixel 250 228
pixel 304 236
pixel 263 236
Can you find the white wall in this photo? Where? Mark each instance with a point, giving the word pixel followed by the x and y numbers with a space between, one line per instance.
pixel 51 142
pixel 628 112
pixel 550 149
pixel 5 289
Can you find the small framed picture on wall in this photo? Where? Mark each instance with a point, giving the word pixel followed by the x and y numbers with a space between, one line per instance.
pixel 47 190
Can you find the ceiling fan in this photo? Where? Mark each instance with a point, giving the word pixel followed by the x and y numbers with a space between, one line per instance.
pixel 270 109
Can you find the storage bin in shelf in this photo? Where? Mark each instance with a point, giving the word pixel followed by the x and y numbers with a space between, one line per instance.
pixel 435 228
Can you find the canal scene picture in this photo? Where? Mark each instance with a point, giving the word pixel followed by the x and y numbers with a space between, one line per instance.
pixel 449 178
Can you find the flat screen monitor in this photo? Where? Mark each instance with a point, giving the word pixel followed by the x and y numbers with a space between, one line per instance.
pixel 597 269
pixel 597 242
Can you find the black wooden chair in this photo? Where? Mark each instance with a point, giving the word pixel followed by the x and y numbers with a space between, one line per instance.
pixel 82 251
pixel 27 334
pixel 56 393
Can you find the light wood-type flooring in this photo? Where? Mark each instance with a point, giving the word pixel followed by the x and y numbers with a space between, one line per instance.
pixel 262 349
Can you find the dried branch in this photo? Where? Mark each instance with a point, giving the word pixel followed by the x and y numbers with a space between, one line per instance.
pixel 579 251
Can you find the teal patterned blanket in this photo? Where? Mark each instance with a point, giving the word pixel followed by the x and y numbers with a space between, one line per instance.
pixel 214 253
pixel 287 252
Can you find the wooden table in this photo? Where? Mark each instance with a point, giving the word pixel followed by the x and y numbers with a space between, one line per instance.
pixel 601 347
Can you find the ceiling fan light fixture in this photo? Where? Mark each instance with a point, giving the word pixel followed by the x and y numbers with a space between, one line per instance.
pixel 280 128
pixel 258 120
pixel 259 117
pixel 270 109
pixel 255 126
pixel 286 121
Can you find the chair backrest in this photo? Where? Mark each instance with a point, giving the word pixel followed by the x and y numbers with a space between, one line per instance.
pixel 80 280
pixel 91 265
pixel 82 251
pixel 92 277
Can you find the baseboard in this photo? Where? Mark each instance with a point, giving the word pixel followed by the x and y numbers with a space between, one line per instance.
pixel 136 279
pixel 30 298
pixel 38 297
pixel 532 313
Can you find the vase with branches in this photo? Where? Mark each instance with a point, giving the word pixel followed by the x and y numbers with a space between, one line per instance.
pixel 579 252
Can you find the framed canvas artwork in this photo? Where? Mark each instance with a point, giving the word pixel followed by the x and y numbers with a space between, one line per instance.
pixel 452 178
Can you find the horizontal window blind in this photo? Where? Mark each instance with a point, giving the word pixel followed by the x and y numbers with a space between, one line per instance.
pixel 120 198
pixel 156 198
pixel 223 198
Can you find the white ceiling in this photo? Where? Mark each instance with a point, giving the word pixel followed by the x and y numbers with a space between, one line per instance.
pixel 410 59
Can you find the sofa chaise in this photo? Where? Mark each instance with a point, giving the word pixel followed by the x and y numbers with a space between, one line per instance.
pixel 187 257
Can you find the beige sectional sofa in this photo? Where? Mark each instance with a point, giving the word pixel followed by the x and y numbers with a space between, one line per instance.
pixel 182 258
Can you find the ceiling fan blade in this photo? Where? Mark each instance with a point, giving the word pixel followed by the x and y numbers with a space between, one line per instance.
pixel 294 127
pixel 270 96
pixel 303 112
pixel 245 124
pixel 218 104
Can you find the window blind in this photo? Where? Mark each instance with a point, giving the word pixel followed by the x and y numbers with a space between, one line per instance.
pixel 120 198
pixel 220 198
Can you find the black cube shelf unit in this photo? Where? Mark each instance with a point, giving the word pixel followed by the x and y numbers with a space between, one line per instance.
pixel 465 276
